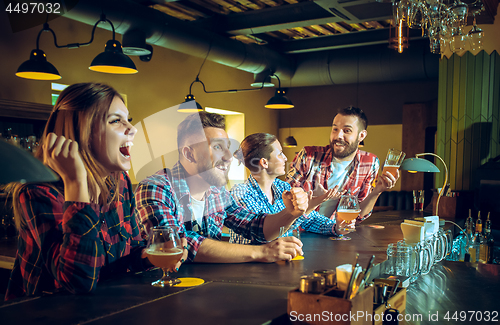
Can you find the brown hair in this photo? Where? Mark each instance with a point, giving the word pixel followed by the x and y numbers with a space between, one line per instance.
pixel 363 120
pixel 253 148
pixel 80 115
pixel 195 123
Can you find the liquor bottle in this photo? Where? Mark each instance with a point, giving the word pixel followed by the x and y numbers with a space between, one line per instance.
pixel 490 241
pixel 470 228
pixel 479 223
pixel 475 242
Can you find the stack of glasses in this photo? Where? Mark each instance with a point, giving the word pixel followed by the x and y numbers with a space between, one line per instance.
pixel 425 244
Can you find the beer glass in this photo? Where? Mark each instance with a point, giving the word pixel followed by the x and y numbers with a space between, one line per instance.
pixel 393 160
pixel 418 200
pixel 164 250
pixel 347 210
pixel 399 257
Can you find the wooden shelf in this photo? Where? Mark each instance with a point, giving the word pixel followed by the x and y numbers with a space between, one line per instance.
pixel 24 110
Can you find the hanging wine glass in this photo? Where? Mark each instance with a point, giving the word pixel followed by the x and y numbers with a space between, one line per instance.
pixel 476 37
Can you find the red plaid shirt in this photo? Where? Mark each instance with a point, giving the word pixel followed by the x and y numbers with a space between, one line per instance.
pixel 71 244
pixel 313 164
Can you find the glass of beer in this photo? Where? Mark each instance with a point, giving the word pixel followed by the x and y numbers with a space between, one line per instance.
pixel 393 160
pixel 347 210
pixel 164 250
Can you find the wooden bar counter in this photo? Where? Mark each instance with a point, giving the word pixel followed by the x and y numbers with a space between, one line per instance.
pixel 256 293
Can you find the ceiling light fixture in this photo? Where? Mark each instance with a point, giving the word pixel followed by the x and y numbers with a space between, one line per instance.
pixel 37 67
pixel 190 97
pixel 279 100
pixel 112 60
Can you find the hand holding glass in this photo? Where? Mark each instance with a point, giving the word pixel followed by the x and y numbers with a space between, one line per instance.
pixel 347 210
pixel 164 250
pixel 393 160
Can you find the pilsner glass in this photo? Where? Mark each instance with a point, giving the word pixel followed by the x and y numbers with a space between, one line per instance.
pixel 164 250
pixel 393 160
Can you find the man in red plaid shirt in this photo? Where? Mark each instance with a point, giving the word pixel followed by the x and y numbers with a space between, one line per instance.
pixel 342 164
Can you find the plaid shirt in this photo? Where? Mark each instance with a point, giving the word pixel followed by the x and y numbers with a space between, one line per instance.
pixel 164 199
pixel 312 162
pixel 250 196
pixel 71 244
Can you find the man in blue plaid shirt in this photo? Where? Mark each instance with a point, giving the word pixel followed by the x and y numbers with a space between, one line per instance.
pixel 191 197
pixel 263 155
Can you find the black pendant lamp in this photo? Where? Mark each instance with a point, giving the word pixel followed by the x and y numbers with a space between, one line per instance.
pixel 279 101
pixel 290 142
pixel 37 67
pixel 112 60
pixel 190 105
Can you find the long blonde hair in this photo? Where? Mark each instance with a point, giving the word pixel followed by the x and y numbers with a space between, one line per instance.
pixel 80 115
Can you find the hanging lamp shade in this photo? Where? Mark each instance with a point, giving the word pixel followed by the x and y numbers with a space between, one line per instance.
pixel 279 101
pixel 112 60
pixel 414 165
pixel 290 142
pixel 17 165
pixel 190 105
pixel 38 68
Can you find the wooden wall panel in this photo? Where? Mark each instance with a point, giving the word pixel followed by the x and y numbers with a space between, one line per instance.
pixel 468 115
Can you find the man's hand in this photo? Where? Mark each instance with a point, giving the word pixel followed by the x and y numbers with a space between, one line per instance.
pixel 296 201
pixel 184 255
pixel 386 181
pixel 283 248
pixel 346 226
pixel 315 200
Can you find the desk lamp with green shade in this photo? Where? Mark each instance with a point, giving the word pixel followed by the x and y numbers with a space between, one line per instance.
pixel 417 164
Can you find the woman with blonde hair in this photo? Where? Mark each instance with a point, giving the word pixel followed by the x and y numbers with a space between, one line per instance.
pixel 80 229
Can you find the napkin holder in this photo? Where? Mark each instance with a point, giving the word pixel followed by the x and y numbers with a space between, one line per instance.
pixel 332 306
pixel 413 231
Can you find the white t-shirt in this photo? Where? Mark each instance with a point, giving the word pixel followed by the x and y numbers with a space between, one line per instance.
pixel 198 208
pixel 339 172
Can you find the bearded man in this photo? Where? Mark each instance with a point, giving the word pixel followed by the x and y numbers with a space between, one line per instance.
pixel 192 198
pixel 342 164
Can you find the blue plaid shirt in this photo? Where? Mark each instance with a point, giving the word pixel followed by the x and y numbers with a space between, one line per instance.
pixel 250 196
pixel 164 199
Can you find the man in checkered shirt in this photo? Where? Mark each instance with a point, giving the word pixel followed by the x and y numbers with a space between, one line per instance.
pixel 191 197
pixel 342 164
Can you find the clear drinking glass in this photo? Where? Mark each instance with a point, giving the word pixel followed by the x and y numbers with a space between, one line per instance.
pixel 393 160
pixel 164 250
pixel 347 210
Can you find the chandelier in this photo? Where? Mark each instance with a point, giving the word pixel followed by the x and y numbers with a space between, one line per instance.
pixel 442 21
